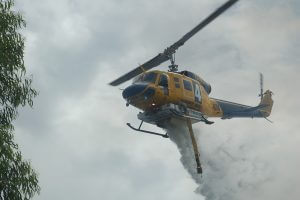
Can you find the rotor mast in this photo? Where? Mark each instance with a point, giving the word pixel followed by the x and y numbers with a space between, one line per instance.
pixel 173 67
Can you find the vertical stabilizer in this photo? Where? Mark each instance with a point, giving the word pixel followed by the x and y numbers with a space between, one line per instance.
pixel 266 103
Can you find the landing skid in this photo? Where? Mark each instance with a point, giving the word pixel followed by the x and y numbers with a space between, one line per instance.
pixel 145 131
pixel 168 112
pixel 194 143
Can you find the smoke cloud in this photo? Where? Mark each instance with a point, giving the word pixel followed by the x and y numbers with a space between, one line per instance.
pixel 230 170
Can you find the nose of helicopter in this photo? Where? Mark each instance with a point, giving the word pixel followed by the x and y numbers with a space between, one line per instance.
pixel 133 90
pixel 140 89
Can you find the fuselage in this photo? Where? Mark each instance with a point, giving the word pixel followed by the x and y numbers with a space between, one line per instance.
pixel 153 89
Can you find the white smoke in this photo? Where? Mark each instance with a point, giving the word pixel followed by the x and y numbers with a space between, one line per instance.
pixel 230 170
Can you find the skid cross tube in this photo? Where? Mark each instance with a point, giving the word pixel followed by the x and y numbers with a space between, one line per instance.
pixel 145 131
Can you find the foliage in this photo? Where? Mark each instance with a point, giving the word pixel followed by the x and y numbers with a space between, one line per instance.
pixel 18 181
pixel 15 89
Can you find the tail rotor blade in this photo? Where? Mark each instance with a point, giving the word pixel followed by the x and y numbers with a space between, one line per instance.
pixel 261 83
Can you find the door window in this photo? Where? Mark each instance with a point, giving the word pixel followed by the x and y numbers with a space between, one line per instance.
pixel 187 85
pixel 163 81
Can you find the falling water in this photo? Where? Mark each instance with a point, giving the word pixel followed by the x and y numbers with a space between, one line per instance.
pixel 229 172
pixel 178 132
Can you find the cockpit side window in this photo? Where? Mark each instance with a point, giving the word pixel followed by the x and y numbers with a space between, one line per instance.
pixel 150 77
pixel 163 81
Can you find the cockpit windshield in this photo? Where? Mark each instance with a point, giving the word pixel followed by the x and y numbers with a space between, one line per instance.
pixel 149 77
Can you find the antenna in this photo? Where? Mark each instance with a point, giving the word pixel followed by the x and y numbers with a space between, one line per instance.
pixel 261 81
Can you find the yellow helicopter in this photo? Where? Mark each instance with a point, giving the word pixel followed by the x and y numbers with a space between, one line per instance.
pixel 163 95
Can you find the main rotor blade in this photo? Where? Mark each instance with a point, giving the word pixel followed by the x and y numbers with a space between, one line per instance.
pixel 202 24
pixel 157 60
pixel 168 52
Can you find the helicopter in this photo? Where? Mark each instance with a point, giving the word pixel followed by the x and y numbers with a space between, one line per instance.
pixel 164 95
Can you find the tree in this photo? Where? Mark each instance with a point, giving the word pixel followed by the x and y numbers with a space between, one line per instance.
pixel 17 179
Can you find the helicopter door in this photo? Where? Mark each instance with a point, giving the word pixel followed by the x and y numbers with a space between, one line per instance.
pixel 163 83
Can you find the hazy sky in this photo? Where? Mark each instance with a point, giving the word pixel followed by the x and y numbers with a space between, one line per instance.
pixel 76 136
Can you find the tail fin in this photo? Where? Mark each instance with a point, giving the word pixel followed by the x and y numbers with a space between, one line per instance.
pixel 266 103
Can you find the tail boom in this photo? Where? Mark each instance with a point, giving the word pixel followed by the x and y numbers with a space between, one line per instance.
pixel 235 110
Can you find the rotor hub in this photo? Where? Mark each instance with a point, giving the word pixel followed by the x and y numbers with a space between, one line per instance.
pixel 173 67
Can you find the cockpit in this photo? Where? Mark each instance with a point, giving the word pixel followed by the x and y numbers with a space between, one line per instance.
pixel 149 77
pixel 144 87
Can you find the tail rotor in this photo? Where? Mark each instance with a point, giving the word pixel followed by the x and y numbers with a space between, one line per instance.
pixel 261 83
pixel 266 101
